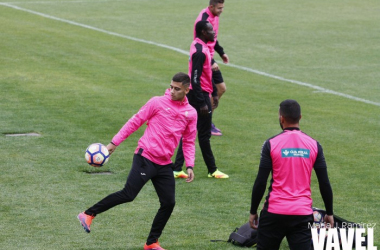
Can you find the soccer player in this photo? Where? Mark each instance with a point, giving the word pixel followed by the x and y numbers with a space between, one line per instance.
pixel 169 117
pixel 290 156
pixel 211 14
pixel 201 89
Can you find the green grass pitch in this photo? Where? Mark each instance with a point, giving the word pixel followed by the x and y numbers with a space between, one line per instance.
pixel 75 71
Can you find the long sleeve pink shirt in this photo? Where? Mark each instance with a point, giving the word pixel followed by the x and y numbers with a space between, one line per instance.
pixel 167 122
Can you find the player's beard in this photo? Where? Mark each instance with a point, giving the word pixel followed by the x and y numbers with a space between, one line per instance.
pixel 279 121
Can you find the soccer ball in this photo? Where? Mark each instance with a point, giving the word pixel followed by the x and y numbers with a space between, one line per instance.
pixel 318 219
pixel 97 155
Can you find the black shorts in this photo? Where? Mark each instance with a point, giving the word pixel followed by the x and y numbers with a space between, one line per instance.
pixel 217 77
pixel 274 227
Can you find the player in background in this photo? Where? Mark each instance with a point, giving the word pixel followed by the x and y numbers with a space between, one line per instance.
pixel 290 156
pixel 201 89
pixel 169 118
pixel 211 14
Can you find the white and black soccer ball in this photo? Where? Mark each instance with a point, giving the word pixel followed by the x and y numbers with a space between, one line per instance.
pixel 97 155
pixel 319 220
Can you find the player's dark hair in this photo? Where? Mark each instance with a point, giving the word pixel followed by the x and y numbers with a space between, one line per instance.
pixel 181 77
pixel 200 26
pixel 215 2
pixel 290 110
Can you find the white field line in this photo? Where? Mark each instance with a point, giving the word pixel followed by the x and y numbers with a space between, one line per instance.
pixel 319 89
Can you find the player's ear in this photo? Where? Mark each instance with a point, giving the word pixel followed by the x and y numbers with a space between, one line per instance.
pixel 204 32
pixel 187 89
pixel 282 119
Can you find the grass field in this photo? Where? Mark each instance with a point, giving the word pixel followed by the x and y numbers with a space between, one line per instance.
pixel 75 71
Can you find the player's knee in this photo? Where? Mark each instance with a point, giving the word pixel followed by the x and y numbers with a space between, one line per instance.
pixel 168 204
pixel 224 87
pixel 221 88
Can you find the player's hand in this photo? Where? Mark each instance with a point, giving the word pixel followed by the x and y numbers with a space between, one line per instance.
pixel 329 221
pixel 225 58
pixel 215 102
pixel 253 221
pixel 111 148
pixel 215 67
pixel 190 174
pixel 204 110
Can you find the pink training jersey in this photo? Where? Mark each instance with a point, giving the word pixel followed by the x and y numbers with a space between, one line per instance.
pixel 293 156
pixel 200 66
pixel 206 15
pixel 168 121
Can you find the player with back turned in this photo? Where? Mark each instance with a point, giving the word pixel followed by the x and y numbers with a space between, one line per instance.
pixel 290 156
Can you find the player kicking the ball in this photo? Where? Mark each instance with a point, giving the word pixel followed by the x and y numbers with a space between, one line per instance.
pixel 170 118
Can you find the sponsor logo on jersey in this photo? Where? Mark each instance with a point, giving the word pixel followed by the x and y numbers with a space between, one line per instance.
pixel 295 152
